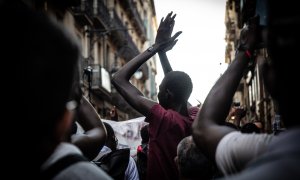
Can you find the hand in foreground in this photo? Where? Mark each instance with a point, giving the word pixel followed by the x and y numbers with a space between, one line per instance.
pixel 249 35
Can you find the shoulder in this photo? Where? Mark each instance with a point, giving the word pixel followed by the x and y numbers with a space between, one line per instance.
pixel 193 111
pixel 237 141
pixel 236 150
pixel 156 112
pixel 75 170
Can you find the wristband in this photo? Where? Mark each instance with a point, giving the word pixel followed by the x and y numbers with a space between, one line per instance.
pixel 246 52
pixel 150 49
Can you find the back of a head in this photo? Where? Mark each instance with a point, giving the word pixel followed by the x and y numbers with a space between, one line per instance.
pixel 111 140
pixel 191 161
pixel 229 124
pixel 145 134
pixel 43 58
pixel 250 128
pixel 180 84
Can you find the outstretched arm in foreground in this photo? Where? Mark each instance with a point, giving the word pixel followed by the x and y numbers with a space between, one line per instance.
pixel 121 79
pixel 207 127
pixel 91 142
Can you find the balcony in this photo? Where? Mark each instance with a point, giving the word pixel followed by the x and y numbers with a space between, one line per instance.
pixel 121 37
pixel 97 80
pixel 101 15
pixel 130 7
pixel 100 78
pixel 83 12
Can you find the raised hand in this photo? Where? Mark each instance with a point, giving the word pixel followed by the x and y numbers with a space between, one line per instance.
pixel 249 35
pixel 164 32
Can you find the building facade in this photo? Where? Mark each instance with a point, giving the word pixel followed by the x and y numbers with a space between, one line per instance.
pixel 111 33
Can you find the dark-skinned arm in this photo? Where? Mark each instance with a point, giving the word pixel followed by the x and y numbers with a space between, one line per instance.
pixel 164 32
pixel 129 92
pixel 207 127
pixel 121 78
pixel 164 61
pixel 92 141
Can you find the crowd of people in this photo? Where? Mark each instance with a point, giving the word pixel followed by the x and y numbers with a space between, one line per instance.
pixel 180 141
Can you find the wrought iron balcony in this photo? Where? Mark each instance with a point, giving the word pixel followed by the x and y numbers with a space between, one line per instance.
pixel 83 12
pixel 101 14
pixel 130 8
pixel 122 39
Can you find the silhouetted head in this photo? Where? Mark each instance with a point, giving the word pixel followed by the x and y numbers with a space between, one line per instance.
pixel 176 87
pixel 250 128
pixel 229 124
pixel 111 140
pixel 145 134
pixel 191 162
pixel 42 58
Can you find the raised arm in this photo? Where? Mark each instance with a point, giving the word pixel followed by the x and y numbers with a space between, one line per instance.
pixel 121 79
pixel 207 127
pixel 164 32
pixel 91 142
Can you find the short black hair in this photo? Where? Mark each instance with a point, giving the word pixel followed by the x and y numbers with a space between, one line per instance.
pixel 250 128
pixel 109 130
pixel 111 139
pixel 180 84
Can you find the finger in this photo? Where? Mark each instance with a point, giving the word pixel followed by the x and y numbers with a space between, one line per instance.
pixel 161 22
pixel 169 15
pixel 171 27
pixel 176 35
pixel 174 43
pixel 173 17
pixel 171 45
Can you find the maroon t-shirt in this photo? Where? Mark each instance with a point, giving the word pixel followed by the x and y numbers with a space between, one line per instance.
pixel 166 129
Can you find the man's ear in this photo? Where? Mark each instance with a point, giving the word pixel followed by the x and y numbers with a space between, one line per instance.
pixel 169 94
pixel 64 125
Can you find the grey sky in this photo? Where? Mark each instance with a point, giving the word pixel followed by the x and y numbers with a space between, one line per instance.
pixel 200 50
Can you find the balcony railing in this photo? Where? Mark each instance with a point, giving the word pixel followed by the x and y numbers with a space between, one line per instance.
pixel 121 36
pixel 101 13
pixel 130 7
pixel 83 12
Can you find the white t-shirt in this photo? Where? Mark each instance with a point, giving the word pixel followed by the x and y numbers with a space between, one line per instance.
pixel 236 150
